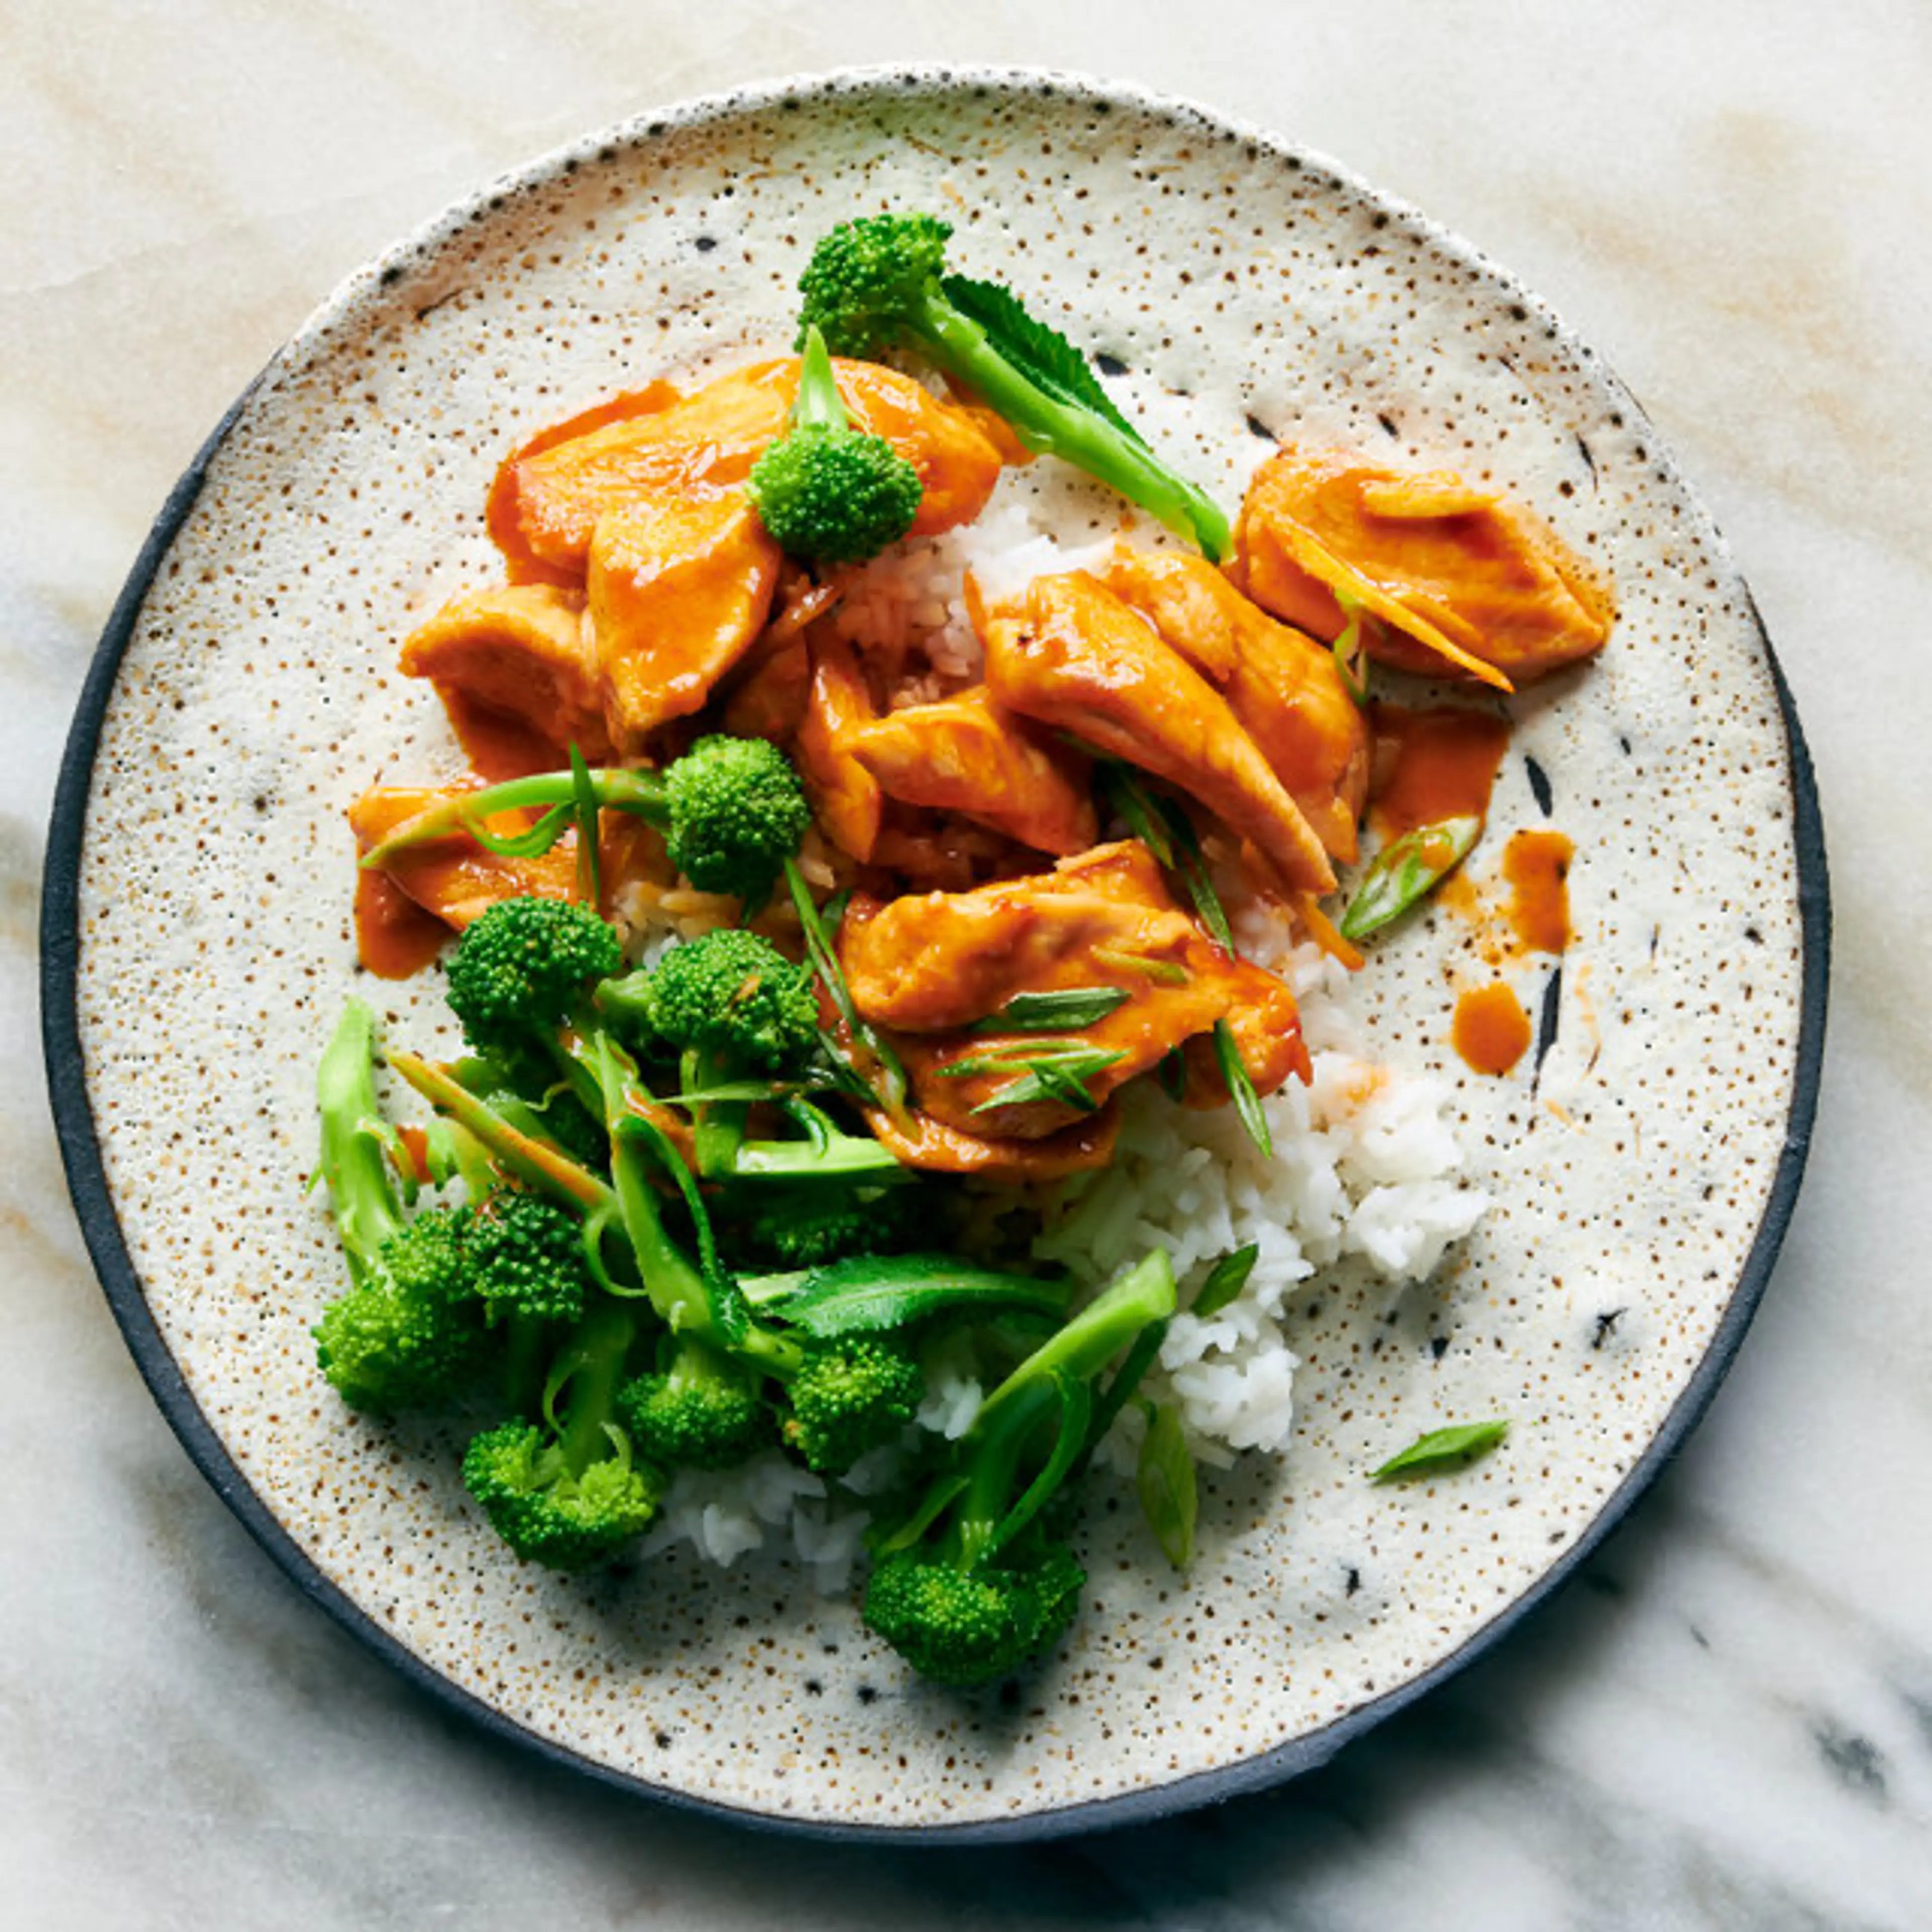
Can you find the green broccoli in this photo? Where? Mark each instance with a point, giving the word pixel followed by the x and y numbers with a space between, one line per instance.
pixel 848 1397
pixel 881 281
pixel 790 1224
pixel 408 1330
pixel 527 1255
pixel 736 1009
pixel 702 1410
pixel 825 490
pixel 974 1586
pixel 567 1492
pixel 844 1396
pixel 731 810
pixel 520 972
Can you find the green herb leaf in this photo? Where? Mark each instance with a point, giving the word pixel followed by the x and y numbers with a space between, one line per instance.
pixel 1241 1088
pixel 1170 1497
pixel 583 815
pixel 1403 872
pixel 1063 1012
pixel 1352 658
pixel 1462 1442
pixel 533 844
pixel 871 1294
pixel 1165 829
pixel 890 1090
pixel 1039 351
pixel 1225 1279
pixel 1045 1073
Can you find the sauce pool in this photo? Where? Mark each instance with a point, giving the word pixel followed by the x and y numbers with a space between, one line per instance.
pixel 1537 864
pixel 1491 1031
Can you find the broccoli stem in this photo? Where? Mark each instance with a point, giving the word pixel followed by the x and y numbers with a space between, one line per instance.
pixel 819 404
pixel 590 1371
pixel 534 1161
pixel 963 350
pixel 354 1162
pixel 1091 1339
pixel 685 1299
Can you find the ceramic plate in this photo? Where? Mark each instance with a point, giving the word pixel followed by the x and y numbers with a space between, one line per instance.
pixel 1642 1159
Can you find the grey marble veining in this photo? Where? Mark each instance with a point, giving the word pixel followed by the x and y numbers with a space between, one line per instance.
pixel 1727 1720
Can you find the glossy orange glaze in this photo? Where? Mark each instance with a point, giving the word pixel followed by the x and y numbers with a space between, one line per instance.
pixel 967 755
pixel 1281 685
pixel 935 968
pixel 503 512
pixel 1455 576
pixel 395 938
pixel 1079 659
pixel 679 585
pixel 498 746
pixel 1537 864
pixel 1491 1031
pixel 549 496
pixel 1432 765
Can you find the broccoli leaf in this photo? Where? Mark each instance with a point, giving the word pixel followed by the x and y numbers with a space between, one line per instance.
pixel 1039 351
pixel 872 1293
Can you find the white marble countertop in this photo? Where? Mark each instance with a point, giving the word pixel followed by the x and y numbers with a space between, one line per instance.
pixel 1727 1720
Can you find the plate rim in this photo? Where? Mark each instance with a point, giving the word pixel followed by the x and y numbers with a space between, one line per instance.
pixel 85 1169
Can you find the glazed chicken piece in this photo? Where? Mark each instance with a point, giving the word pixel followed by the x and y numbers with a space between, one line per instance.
pixel 551 495
pixel 931 968
pixel 457 881
pixel 520 652
pixel 1078 659
pixel 968 754
pixel 1452 577
pixel 455 878
pixel 1284 687
pixel 923 1142
pixel 845 797
pixel 679 585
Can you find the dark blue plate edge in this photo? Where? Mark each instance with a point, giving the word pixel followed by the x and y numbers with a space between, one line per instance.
pixel 81 1157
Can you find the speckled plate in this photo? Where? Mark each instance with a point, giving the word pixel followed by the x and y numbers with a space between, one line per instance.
pixel 1644 1160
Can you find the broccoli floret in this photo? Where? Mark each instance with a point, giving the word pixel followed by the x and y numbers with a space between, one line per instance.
pixel 567 1493
pixel 408 1334
pixel 965 1627
pixel 789 1226
pixel 881 281
pixel 408 1330
pixel 737 1009
pixel 702 1411
pixel 736 812
pixel 825 490
pixel 520 972
pixel 735 1000
pixel 850 1396
pixel 527 1254
pixel 732 811
pixel 845 1396
pixel 974 1586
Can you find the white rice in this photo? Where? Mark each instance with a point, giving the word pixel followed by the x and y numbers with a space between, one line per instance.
pixel 1366 1170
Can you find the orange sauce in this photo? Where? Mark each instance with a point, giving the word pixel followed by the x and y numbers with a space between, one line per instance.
pixel 1432 765
pixel 395 937
pixel 1491 1031
pixel 1537 864
pixel 497 745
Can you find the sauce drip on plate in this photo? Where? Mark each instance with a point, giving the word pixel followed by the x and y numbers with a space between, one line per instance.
pixel 1491 1031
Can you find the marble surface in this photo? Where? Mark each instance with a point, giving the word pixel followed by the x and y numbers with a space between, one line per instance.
pixel 1727 1720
